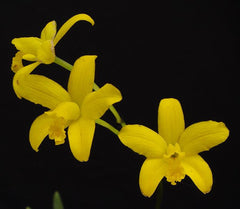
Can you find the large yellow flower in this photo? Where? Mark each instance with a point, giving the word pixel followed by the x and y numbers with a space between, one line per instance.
pixel 173 152
pixel 42 49
pixel 78 108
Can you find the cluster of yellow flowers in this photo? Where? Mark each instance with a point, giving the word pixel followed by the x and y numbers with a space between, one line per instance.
pixel 173 152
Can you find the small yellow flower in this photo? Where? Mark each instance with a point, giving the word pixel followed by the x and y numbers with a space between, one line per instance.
pixel 77 108
pixel 43 49
pixel 173 152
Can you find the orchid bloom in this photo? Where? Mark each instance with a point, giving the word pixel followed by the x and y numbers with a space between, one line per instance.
pixel 42 49
pixel 173 152
pixel 78 108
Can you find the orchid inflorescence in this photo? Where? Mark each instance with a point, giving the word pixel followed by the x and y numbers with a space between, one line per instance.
pixel 172 153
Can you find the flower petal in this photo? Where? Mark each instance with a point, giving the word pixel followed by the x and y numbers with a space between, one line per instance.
pixel 46 52
pixel 81 78
pixel 199 171
pixel 49 31
pixel 67 110
pixel 17 62
pixel 143 140
pixel 30 57
pixel 38 89
pixel 170 120
pixel 20 75
pixel 97 103
pixel 67 25
pixel 39 130
pixel 202 136
pixel 80 135
pixel 152 172
pixel 28 45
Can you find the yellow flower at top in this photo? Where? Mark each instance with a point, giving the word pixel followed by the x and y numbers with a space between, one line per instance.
pixel 173 152
pixel 43 49
pixel 78 108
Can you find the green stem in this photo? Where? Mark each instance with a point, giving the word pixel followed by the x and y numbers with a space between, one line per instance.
pixel 117 116
pixel 63 63
pixel 69 67
pixel 107 125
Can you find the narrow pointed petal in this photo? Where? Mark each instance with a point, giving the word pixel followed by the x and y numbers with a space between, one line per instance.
pixel 49 31
pixel 39 130
pixel 97 103
pixel 80 135
pixel 143 141
pixel 67 25
pixel 203 136
pixel 199 171
pixel 38 89
pixel 170 120
pixel 152 172
pixel 81 78
pixel 27 45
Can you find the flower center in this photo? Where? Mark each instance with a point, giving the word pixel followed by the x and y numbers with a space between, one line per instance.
pixel 175 155
pixel 56 130
pixel 175 172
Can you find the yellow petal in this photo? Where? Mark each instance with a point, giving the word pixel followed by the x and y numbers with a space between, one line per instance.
pixel 97 103
pixel 46 53
pixel 80 135
pixel 81 78
pixel 170 120
pixel 202 136
pixel 152 172
pixel 30 57
pixel 17 62
pixel 38 89
pixel 39 130
pixel 200 173
pixel 53 123
pixel 27 45
pixel 49 31
pixel 67 110
pixel 67 25
pixel 20 75
pixel 143 141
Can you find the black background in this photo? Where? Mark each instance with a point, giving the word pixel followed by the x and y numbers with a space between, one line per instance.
pixel 186 49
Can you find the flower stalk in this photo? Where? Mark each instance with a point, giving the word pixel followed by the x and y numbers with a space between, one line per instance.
pixel 63 63
pixel 105 124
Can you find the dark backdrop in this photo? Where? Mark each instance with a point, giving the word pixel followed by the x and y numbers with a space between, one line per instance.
pixel 186 49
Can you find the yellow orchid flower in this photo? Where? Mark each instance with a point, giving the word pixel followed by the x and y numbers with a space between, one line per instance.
pixel 42 49
pixel 173 152
pixel 78 108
